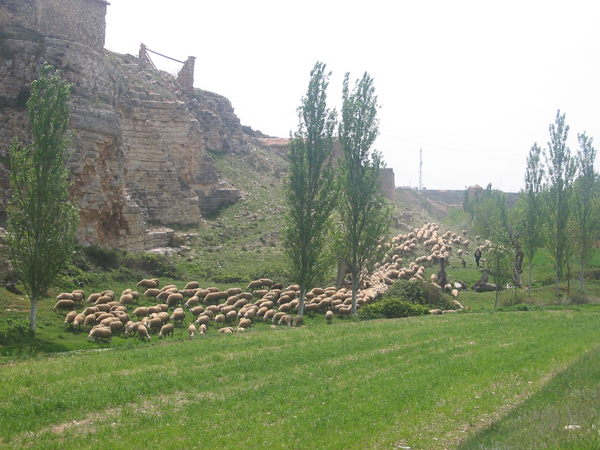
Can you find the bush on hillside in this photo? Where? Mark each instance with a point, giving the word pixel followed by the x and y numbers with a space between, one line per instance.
pixel 13 327
pixel 391 308
pixel 420 293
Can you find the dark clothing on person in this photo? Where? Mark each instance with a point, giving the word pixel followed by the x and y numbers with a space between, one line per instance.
pixel 477 256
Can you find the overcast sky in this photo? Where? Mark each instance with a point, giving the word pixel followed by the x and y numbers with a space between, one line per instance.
pixel 472 83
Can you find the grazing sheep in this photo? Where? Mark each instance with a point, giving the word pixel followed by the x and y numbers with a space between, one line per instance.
pixel 276 317
pixel 457 304
pixel 197 310
pixel 178 316
pixel 154 323
pixel 104 307
pixel 269 314
pixel 116 327
pixel 226 330
pixel 165 330
pixel 89 320
pixel 174 299
pixel 141 311
pixel 151 293
pixel 286 307
pixel 192 285
pixel 70 317
pixel 329 315
pixel 100 333
pixel 64 296
pixel 192 301
pixel 203 319
pixel 150 284
pixel 231 316
pixel 78 321
pixel 93 297
pixel 244 323
pixel 143 332
pixel 298 320
pixel 286 320
pixel 61 305
pixel 220 319
pixel 254 285
pixel 192 330
pixel 455 293
pixel 126 299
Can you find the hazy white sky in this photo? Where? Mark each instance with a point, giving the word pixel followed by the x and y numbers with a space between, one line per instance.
pixel 472 83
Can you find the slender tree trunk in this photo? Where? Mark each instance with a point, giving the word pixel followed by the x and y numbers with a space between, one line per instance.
pixel 556 282
pixel 34 303
pixel 530 268
pixel 497 295
pixel 581 275
pixel 301 301
pixel 354 293
pixel 341 273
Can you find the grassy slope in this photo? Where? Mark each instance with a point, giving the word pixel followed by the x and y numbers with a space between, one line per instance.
pixel 408 404
pixel 421 382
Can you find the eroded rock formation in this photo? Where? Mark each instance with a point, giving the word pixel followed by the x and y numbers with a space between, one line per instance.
pixel 139 156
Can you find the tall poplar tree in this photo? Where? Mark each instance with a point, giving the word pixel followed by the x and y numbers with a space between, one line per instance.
pixel 560 171
pixel 587 203
pixel 529 207
pixel 364 213
pixel 41 218
pixel 310 186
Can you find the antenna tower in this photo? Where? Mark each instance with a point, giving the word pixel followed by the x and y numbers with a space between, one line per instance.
pixel 421 169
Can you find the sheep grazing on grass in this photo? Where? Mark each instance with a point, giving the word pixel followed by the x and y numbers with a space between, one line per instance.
pixel 100 333
pixel 116 327
pixel 269 314
pixel 62 305
pixel 329 315
pixel 70 317
pixel 457 304
pixel 298 321
pixel 226 330
pixel 78 321
pixel 202 329
pixel 149 284
pixel 276 317
pixel 165 330
pixel 244 323
pixel 197 310
pixel 192 330
pixel 203 319
pixel 286 319
pixel 178 316
pixel 220 319
pixel 141 311
pixel 455 293
pixel 143 332
pixel 192 285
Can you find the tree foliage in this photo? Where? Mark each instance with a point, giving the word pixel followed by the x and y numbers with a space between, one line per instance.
pixel 484 207
pixel 529 207
pixel 310 186
pixel 364 214
pixel 559 174
pixel 41 219
pixel 586 205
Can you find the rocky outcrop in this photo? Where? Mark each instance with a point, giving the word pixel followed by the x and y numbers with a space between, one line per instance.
pixel 138 158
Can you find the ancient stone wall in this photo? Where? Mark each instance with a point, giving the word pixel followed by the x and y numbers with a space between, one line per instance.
pixel 81 21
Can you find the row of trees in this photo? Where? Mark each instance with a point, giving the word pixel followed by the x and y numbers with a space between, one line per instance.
pixel 559 209
pixel 560 206
pixel 335 207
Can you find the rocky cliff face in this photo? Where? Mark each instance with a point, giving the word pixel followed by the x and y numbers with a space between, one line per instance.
pixel 138 158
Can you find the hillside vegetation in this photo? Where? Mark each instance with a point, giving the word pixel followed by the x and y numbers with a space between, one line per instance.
pixel 507 377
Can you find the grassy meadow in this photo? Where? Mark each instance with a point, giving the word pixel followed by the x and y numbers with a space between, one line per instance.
pixel 427 382
pixel 525 375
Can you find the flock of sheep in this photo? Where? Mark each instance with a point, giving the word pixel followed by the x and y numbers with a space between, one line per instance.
pixel 234 310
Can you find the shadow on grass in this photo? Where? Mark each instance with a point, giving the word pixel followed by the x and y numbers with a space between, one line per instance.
pixel 563 415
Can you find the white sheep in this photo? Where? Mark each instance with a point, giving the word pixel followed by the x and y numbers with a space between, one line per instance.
pixel 100 333
pixel 165 330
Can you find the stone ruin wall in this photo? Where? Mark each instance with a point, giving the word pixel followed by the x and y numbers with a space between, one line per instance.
pixel 81 21
pixel 138 156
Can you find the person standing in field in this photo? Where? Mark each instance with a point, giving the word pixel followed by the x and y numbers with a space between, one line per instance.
pixel 477 256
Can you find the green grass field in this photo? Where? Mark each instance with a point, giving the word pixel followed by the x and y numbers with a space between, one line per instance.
pixel 501 380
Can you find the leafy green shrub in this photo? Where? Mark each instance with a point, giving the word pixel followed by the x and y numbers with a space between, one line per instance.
pixel 578 298
pixel 13 327
pixel 392 307
pixel 419 292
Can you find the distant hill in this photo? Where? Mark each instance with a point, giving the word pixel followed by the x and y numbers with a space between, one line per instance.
pixel 438 202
